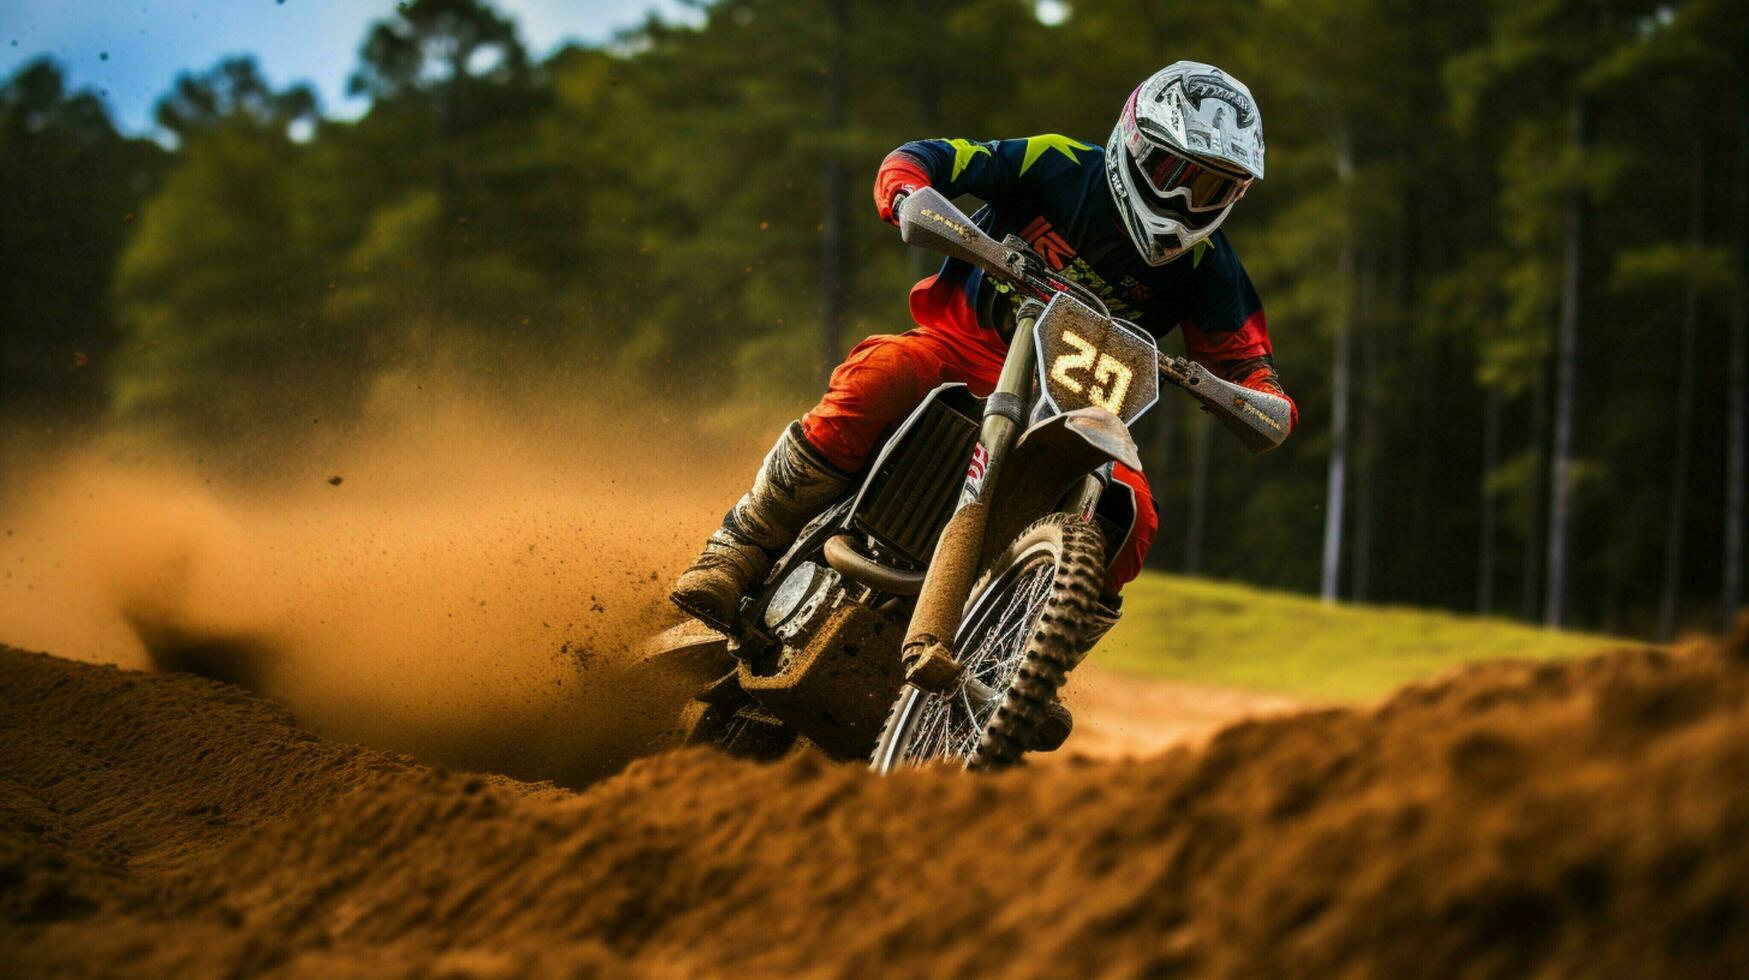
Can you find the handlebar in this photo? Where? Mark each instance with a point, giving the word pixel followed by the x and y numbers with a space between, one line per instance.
pixel 1260 419
pixel 930 221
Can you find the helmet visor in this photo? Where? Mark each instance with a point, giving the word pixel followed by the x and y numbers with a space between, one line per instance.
pixel 1202 185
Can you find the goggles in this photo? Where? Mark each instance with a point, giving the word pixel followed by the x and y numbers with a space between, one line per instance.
pixel 1203 186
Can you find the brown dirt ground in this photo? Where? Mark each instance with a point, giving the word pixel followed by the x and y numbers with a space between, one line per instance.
pixel 1122 716
pixel 1589 818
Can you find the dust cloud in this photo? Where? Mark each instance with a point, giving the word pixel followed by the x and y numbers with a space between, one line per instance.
pixel 462 575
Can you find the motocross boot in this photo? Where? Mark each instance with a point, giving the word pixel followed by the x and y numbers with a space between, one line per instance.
pixel 1054 730
pixel 792 487
pixel 1105 615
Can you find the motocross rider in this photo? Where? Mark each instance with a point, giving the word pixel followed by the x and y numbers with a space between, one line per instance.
pixel 1137 223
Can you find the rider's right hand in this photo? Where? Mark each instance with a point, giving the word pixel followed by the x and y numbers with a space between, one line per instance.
pixel 898 202
pixel 900 174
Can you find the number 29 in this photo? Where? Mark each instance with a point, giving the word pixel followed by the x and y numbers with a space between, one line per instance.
pixel 1111 377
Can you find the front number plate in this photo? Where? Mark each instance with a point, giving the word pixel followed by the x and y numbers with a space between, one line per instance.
pixel 1088 360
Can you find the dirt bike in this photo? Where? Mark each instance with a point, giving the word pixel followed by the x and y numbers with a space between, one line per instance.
pixel 933 612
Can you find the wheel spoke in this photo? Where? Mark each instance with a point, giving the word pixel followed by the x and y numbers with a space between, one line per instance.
pixel 950 724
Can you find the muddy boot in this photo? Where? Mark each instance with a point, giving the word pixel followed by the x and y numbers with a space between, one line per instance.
pixel 1105 615
pixel 792 487
pixel 1054 730
pixel 1059 723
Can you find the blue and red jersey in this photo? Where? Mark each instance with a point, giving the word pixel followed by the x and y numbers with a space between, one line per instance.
pixel 1051 191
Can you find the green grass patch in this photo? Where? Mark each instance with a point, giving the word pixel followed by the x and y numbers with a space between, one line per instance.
pixel 1194 630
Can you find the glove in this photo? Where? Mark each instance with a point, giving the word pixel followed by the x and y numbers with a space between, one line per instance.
pixel 890 212
pixel 900 174
pixel 1265 379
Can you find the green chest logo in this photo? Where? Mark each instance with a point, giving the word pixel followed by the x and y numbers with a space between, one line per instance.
pixel 1080 271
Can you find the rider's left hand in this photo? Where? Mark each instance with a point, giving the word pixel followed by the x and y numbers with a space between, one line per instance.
pixel 1265 379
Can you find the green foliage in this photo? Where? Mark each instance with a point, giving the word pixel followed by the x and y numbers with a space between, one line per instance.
pixel 233 93
pixel 217 289
pixel 1667 268
pixel 70 191
pixel 441 47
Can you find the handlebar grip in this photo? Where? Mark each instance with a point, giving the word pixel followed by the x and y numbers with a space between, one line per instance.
pixel 930 221
pixel 1260 420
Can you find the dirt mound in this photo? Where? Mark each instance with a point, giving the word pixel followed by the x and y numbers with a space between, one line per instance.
pixel 1585 818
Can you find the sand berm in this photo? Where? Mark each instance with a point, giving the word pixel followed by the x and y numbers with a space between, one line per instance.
pixel 1586 818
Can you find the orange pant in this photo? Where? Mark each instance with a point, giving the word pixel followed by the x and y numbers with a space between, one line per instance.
pixel 887 376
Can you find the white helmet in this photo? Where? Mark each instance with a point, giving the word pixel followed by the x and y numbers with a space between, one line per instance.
pixel 1189 142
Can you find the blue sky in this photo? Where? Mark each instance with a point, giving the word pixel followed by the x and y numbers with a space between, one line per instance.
pixel 131 50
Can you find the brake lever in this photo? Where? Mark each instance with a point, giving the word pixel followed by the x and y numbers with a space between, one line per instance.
pixel 1026 263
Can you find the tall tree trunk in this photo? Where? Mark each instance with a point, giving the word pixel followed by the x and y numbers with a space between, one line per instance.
pixel 1335 487
pixel 1737 389
pixel 1566 375
pixel 1414 533
pixel 1530 581
pixel 1194 528
pixel 1486 534
pixel 1367 448
pixel 1668 601
pixel 833 186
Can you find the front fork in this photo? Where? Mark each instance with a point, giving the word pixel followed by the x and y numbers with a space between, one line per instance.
pixel 927 651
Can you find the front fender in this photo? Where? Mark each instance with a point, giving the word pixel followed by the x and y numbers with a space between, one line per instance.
pixel 1046 462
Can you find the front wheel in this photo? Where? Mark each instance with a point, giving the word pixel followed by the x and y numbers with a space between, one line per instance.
pixel 1020 635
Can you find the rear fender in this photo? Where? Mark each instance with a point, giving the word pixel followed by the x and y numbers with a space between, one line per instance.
pixel 1047 461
